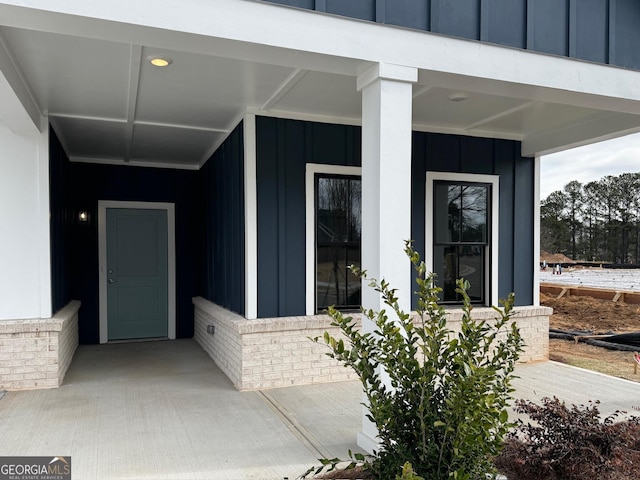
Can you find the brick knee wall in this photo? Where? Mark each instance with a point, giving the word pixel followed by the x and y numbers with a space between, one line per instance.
pixel 267 352
pixel 532 321
pixel 277 352
pixel 36 353
pixel 225 345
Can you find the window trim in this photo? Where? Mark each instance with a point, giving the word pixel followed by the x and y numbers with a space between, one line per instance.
pixel 491 280
pixel 310 259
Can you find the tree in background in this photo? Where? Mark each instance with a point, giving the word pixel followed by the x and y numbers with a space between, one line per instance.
pixel 599 221
pixel 627 187
pixel 553 225
pixel 573 194
pixel 591 221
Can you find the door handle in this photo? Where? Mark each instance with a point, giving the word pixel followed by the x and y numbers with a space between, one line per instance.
pixel 111 280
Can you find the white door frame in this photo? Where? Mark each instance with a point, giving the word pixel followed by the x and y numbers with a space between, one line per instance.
pixel 102 259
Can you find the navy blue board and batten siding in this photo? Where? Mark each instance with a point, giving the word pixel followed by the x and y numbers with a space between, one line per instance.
pixel 222 179
pixel 459 154
pixel 285 146
pixel 61 223
pixel 603 31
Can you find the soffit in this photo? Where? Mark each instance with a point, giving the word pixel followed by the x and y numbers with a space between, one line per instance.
pixel 108 104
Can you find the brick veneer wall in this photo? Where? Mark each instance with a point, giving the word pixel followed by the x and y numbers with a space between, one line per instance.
pixel 277 352
pixel 267 352
pixel 533 323
pixel 36 353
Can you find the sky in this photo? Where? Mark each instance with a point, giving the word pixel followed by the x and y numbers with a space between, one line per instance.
pixel 589 163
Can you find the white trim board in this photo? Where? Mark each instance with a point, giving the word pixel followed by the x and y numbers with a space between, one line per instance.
pixel 494 181
pixel 102 259
pixel 309 193
pixel 250 219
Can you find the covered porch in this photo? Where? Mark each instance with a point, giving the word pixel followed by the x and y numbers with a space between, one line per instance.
pixel 188 134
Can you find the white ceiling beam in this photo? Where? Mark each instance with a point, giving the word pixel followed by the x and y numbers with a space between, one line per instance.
pixel 132 97
pixel 306 116
pixel 497 116
pixel 421 90
pixel 291 81
pixel 181 126
pixel 137 122
pixel 86 117
pixel 18 107
pixel 134 163
pixel 436 128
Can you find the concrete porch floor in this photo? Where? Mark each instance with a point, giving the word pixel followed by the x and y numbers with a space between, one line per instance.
pixel 163 410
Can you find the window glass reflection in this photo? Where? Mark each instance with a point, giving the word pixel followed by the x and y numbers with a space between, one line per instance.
pixel 338 235
pixel 461 226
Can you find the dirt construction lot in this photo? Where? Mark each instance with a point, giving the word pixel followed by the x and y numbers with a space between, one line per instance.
pixel 600 316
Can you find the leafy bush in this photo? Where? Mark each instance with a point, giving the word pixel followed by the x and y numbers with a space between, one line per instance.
pixel 408 473
pixel 570 443
pixel 445 411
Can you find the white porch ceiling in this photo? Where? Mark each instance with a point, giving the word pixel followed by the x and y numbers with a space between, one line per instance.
pixel 109 105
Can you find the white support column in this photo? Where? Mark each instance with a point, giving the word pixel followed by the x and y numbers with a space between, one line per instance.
pixel 386 190
pixel 536 231
pixel 25 259
pixel 44 228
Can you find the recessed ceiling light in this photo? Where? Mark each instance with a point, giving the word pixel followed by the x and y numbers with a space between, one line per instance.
pixel 158 61
pixel 458 96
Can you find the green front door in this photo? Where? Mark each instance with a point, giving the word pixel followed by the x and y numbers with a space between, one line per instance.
pixel 137 279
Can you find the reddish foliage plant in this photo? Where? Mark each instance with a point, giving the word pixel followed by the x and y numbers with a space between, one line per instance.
pixel 570 443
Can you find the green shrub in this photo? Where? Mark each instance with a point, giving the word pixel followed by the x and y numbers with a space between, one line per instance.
pixel 408 473
pixel 445 411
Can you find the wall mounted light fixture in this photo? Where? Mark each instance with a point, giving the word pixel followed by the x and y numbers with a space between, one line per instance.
pixel 83 216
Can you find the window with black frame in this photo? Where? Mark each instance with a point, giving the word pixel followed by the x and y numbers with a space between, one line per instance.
pixel 461 238
pixel 338 237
